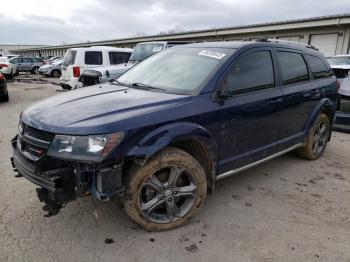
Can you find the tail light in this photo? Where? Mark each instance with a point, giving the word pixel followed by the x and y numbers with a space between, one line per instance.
pixel 3 65
pixel 338 84
pixel 2 77
pixel 76 71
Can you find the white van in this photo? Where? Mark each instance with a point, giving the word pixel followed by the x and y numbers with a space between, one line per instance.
pixel 76 60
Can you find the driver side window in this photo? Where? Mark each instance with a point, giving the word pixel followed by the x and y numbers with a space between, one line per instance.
pixel 250 72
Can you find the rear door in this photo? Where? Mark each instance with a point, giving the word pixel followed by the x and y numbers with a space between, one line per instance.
pixel 251 116
pixel 300 94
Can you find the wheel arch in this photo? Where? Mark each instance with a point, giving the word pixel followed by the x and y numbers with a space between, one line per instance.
pixel 192 138
pixel 325 106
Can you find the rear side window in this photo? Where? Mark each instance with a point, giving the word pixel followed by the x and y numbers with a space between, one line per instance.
pixel 251 72
pixel 93 58
pixel 293 67
pixel 118 57
pixel 69 57
pixel 318 67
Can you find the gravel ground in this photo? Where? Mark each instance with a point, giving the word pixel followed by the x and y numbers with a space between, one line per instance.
pixel 287 209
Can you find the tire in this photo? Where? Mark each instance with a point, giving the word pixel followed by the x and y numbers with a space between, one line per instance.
pixel 174 204
pixel 4 98
pixel 66 87
pixel 55 73
pixel 35 70
pixel 317 139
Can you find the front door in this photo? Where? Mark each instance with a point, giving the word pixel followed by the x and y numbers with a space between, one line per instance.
pixel 250 110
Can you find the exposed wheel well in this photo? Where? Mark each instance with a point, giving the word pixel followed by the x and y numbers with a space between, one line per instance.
pixel 201 154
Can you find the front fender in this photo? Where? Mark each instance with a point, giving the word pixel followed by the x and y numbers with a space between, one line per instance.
pixel 165 135
pixel 177 132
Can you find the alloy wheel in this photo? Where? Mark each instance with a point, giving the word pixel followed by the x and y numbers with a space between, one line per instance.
pixel 168 194
pixel 320 138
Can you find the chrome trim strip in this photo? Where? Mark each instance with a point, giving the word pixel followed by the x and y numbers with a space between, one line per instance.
pixel 235 171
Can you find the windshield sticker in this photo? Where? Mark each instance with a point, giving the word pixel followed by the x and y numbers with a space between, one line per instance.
pixel 212 54
pixel 157 48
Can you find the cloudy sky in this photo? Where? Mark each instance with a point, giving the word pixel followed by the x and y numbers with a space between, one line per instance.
pixel 71 21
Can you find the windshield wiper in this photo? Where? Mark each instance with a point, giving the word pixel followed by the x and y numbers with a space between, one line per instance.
pixel 147 87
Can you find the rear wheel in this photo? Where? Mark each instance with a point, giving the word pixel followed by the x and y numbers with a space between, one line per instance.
pixel 317 139
pixel 55 73
pixel 166 192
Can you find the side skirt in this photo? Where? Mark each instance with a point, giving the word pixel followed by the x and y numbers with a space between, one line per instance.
pixel 235 171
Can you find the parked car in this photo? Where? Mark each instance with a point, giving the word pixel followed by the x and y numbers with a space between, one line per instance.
pixel 142 51
pixel 4 95
pixel 77 60
pixel 28 64
pixel 52 59
pixel 167 129
pixel 53 69
pixel 341 68
pixel 7 68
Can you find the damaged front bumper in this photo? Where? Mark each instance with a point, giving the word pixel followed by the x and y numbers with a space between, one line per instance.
pixel 63 181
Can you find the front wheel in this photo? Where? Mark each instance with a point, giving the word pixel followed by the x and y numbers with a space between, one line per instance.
pixel 166 192
pixel 317 139
pixel 35 70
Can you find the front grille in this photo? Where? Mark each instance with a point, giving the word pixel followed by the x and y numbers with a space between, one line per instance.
pixel 33 142
pixel 343 104
pixel 37 133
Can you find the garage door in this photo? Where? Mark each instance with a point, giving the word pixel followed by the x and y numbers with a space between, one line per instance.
pixel 326 43
pixel 290 38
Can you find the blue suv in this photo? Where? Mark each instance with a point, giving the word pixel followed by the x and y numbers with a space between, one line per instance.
pixel 164 132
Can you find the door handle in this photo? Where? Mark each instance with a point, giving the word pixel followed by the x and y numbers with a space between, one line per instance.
pixel 276 101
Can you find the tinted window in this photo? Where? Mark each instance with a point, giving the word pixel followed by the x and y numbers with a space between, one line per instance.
pixel 26 60
pixel 93 58
pixel 250 72
pixel 69 57
pixel 318 67
pixel 14 61
pixel 118 57
pixel 293 67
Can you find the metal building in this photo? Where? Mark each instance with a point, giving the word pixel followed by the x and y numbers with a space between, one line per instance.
pixel 330 34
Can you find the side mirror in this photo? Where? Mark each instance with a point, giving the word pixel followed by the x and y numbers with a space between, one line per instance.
pixel 224 90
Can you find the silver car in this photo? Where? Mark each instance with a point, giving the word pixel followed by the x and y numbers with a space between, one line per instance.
pixel 28 64
pixel 53 69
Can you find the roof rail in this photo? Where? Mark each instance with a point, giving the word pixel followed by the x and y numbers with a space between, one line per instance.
pixel 273 40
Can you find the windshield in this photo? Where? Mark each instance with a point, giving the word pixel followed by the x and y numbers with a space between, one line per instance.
pixel 178 70
pixel 69 58
pixel 343 60
pixel 142 51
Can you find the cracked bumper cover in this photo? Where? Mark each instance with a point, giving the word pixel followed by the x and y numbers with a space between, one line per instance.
pixel 63 181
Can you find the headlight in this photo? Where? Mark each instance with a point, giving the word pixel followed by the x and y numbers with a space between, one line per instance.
pixel 87 148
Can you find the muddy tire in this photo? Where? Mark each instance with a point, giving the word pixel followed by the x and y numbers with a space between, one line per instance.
pixel 166 192
pixel 317 139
